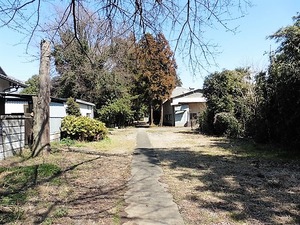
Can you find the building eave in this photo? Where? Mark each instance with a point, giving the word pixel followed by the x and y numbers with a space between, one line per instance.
pixel 13 80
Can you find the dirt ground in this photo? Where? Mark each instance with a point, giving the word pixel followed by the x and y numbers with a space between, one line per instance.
pixel 211 183
pixel 89 189
pixel 214 183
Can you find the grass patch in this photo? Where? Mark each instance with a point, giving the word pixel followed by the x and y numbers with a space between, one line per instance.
pixel 97 145
pixel 238 216
pixel 67 186
pixel 17 183
pixel 19 177
pixel 117 216
pixel 118 140
pixel 60 212
pixel 10 215
pixel 48 221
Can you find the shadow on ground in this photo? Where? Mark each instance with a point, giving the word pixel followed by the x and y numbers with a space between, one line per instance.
pixel 249 189
pixel 86 190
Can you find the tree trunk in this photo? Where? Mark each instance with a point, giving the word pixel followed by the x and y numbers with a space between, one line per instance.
pixel 151 123
pixel 161 120
pixel 41 127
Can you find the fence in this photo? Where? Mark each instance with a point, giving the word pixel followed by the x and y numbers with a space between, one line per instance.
pixel 12 135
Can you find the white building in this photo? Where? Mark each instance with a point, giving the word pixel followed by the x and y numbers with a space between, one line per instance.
pixel 183 107
pixel 58 106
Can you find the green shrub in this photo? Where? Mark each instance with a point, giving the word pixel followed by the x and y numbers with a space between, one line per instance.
pixel 83 128
pixel 118 113
pixel 73 108
pixel 226 124
pixel 203 123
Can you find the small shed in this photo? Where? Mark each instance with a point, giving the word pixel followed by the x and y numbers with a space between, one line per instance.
pixel 16 120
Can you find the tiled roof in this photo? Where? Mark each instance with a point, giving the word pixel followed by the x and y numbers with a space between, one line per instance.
pixel 4 76
pixel 179 91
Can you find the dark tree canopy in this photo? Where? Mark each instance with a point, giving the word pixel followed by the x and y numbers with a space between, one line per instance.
pixel 278 118
pixel 32 85
pixel 94 69
pixel 227 94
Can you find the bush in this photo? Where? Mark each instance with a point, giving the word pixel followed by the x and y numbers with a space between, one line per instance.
pixel 204 123
pixel 83 128
pixel 226 124
pixel 73 108
pixel 118 113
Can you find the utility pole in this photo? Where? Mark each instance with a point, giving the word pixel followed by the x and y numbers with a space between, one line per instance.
pixel 41 112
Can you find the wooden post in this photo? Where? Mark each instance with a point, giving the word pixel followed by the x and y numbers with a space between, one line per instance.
pixel 41 127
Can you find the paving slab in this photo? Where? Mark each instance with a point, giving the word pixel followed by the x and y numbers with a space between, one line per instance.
pixel 148 200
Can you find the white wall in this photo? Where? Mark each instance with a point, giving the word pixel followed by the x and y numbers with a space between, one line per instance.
pixel 14 107
pixel 86 110
pixel 57 109
pixel 181 115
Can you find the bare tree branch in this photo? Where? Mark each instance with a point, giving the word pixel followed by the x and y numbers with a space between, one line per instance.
pixel 186 20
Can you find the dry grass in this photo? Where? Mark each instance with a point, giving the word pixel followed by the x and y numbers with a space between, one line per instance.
pixel 215 181
pixel 88 187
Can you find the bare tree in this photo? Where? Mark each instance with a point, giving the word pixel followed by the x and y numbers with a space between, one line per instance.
pixel 185 20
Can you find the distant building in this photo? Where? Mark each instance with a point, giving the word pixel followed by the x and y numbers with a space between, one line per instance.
pixel 183 107
pixel 8 83
pixel 14 103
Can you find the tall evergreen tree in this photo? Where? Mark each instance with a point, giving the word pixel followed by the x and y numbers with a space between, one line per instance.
pixel 156 68
pixel 73 108
pixel 32 85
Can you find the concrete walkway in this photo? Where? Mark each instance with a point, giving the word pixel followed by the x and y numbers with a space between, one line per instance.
pixel 148 200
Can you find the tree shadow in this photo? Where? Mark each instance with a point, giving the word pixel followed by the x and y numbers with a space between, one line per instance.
pixel 90 194
pixel 245 187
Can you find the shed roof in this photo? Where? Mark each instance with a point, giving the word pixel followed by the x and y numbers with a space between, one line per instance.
pixel 17 96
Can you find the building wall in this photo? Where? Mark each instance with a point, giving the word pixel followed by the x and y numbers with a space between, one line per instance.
pixel 13 107
pixel 181 113
pixel 197 107
pixel 195 110
pixel 57 112
pixel 168 114
pixel 86 110
pixel 12 135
